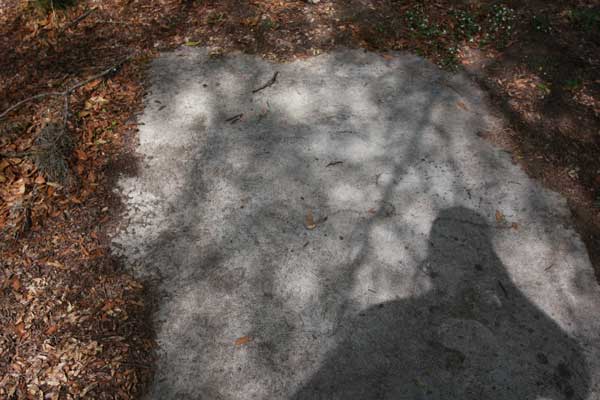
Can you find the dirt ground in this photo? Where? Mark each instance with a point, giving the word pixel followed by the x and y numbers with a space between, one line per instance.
pixel 74 322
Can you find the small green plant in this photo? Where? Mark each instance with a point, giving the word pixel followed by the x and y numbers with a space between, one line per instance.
pixel 466 27
pixel 573 84
pixel 541 23
pixel 544 88
pixel 418 21
pixel 586 19
pixel 48 5
pixel 215 18
pixel 500 25
pixel 450 59
pixel 268 24
pixel 380 28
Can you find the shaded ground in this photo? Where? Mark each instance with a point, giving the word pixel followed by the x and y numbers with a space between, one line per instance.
pixel 543 75
pixel 458 343
pixel 346 233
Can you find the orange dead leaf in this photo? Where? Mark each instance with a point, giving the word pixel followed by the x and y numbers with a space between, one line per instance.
pixel 75 200
pixel 20 329
pixel 51 329
pixel 107 306
pixel 81 155
pixel 92 84
pixel 462 105
pixel 40 180
pixel 243 340
pixel 16 284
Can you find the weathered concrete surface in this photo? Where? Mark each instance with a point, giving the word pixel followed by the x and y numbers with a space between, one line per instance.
pixel 437 269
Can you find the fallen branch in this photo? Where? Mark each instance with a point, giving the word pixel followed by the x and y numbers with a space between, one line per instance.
pixel 266 85
pixel 77 20
pixel 66 93
pixel 27 100
pixel 19 154
pixel 112 21
pixel 114 68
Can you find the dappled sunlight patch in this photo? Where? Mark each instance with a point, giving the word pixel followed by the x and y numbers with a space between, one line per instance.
pixel 311 216
pixel 294 102
pixel 390 247
pixel 347 197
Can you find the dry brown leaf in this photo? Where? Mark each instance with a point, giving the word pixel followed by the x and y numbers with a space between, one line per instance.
pixel 243 340
pixel 462 105
pixel 514 225
pixel 499 217
pixel 99 100
pixel 310 221
pixel 21 186
pixel 55 264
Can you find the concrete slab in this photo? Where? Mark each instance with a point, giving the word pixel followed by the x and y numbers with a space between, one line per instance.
pixel 346 234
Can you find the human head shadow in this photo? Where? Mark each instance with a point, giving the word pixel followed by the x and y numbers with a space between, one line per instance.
pixel 473 335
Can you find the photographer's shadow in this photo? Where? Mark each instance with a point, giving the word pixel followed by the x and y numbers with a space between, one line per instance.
pixel 474 335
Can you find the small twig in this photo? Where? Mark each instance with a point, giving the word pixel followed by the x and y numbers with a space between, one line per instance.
pixel 66 113
pixel 235 118
pixel 331 164
pixel 266 85
pixel 53 10
pixel 136 364
pixel 111 21
pixel 503 289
